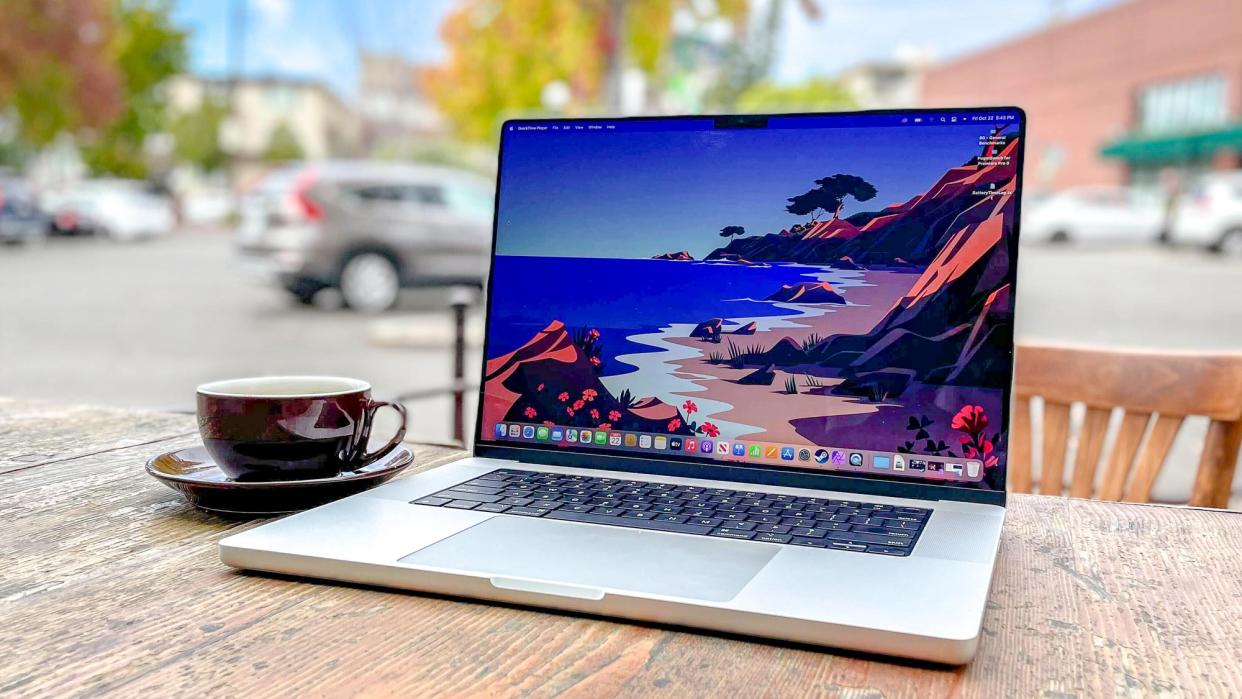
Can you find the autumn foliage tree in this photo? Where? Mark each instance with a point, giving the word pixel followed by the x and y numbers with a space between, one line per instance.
pixel 502 55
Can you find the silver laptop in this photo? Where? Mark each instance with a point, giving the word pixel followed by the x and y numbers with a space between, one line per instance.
pixel 741 373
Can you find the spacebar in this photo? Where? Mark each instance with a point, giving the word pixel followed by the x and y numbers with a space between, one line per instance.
pixel 628 522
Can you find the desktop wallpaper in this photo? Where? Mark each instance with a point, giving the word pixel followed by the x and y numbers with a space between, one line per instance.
pixel 849 286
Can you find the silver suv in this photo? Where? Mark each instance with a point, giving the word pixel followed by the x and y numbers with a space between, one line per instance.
pixel 369 228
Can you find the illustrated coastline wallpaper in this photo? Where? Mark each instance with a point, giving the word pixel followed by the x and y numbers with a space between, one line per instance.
pixel 847 287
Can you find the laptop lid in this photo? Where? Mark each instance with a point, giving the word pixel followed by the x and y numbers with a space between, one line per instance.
pixel 815 300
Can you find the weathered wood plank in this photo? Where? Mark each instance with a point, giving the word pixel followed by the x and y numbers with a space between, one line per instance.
pixel 36 432
pixel 112 586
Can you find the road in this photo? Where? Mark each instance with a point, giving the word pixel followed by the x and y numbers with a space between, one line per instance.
pixel 140 325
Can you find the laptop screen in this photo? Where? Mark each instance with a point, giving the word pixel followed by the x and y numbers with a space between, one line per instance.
pixel 825 293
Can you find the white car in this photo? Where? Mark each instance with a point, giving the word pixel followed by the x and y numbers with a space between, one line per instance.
pixel 1210 214
pixel 1092 214
pixel 120 209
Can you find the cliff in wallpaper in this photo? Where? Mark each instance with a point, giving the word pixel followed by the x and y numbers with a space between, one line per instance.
pixel 554 378
pixel 907 234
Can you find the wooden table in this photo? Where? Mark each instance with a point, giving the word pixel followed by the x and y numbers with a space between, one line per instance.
pixel 111 585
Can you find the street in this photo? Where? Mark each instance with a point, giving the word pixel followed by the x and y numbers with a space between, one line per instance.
pixel 140 325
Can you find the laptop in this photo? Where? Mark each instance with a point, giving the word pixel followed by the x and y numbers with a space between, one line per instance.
pixel 749 374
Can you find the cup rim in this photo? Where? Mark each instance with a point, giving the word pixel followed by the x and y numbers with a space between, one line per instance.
pixel 221 388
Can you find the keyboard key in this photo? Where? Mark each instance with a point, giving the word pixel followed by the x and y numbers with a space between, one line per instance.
pixel 744 526
pixel 464 505
pixel 888 550
pixel 706 521
pixel 733 534
pixel 528 511
pixel 520 502
pixel 467 488
pixel 474 497
pixel 672 518
pixel 868 539
pixel 653 524
pixel 808 532
pixel 491 507
pixel 846 546
pixel 808 541
pixel 433 501
pixel 773 528
pixel 772 538
pixel 633 514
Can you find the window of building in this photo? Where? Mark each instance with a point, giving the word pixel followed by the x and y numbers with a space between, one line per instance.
pixel 1183 105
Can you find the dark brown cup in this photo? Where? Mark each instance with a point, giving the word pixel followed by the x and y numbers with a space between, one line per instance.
pixel 282 428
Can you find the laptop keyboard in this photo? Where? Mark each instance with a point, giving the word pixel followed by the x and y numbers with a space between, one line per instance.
pixel 773 518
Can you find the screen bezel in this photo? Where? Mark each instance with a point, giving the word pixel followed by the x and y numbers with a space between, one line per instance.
pixel 693 467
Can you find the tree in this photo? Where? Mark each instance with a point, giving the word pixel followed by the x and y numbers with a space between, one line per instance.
pixel 196 136
pixel 56 70
pixel 816 95
pixel 830 194
pixel 501 55
pixel 282 145
pixel 730 231
pixel 146 49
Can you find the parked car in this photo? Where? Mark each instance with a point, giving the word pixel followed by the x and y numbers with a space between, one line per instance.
pixel 1092 214
pixel 369 229
pixel 21 220
pixel 121 209
pixel 1210 214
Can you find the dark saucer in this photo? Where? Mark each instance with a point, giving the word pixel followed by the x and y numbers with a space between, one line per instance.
pixel 192 472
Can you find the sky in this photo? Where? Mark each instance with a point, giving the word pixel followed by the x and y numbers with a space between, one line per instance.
pixel 319 39
pixel 639 194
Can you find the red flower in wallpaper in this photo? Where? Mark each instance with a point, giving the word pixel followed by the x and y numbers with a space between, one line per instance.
pixel 530 412
pixel 540 388
pixel 605 425
pixel 614 415
pixel 563 396
pixel 579 405
pixel 570 410
pixel 594 334
pixel 710 430
pixel 589 395
pixel 674 424
pixel 971 421
pixel 689 407
pixel 594 414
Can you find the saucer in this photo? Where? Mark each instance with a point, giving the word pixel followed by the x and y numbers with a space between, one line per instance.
pixel 192 472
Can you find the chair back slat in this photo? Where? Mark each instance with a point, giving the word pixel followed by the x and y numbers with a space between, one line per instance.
pixel 1020 453
pixel 1056 436
pixel 1151 457
pixel 1090 443
pixel 1133 425
pixel 1217 464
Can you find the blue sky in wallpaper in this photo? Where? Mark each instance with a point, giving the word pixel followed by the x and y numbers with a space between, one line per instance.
pixel 641 193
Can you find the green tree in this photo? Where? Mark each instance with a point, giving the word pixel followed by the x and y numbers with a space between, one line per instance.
pixel 282 145
pixel 196 136
pixel 817 95
pixel 147 50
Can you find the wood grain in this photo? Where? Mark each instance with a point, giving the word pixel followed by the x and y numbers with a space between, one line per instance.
pixel 1090 445
pixel 112 587
pixel 1056 435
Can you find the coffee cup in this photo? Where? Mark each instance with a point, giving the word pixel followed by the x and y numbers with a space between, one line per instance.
pixel 279 428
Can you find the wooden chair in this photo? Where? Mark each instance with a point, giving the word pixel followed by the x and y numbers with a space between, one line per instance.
pixel 1156 391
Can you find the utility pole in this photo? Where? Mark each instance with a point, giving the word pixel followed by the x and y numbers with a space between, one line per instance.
pixel 613 40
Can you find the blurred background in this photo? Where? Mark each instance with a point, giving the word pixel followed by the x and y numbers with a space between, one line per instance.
pixel 198 189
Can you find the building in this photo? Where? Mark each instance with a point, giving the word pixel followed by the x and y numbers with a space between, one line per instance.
pixel 392 107
pixel 887 84
pixel 1118 96
pixel 320 124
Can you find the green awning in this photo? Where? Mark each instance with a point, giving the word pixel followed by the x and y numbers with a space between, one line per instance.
pixel 1149 148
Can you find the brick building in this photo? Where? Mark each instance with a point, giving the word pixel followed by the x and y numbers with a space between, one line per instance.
pixel 1117 96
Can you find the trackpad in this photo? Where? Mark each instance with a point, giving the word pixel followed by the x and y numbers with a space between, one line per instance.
pixel 518 548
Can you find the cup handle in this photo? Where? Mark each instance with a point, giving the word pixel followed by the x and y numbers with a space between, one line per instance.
pixel 374 406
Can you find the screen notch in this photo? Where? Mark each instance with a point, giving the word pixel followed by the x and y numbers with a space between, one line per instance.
pixel 742 121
